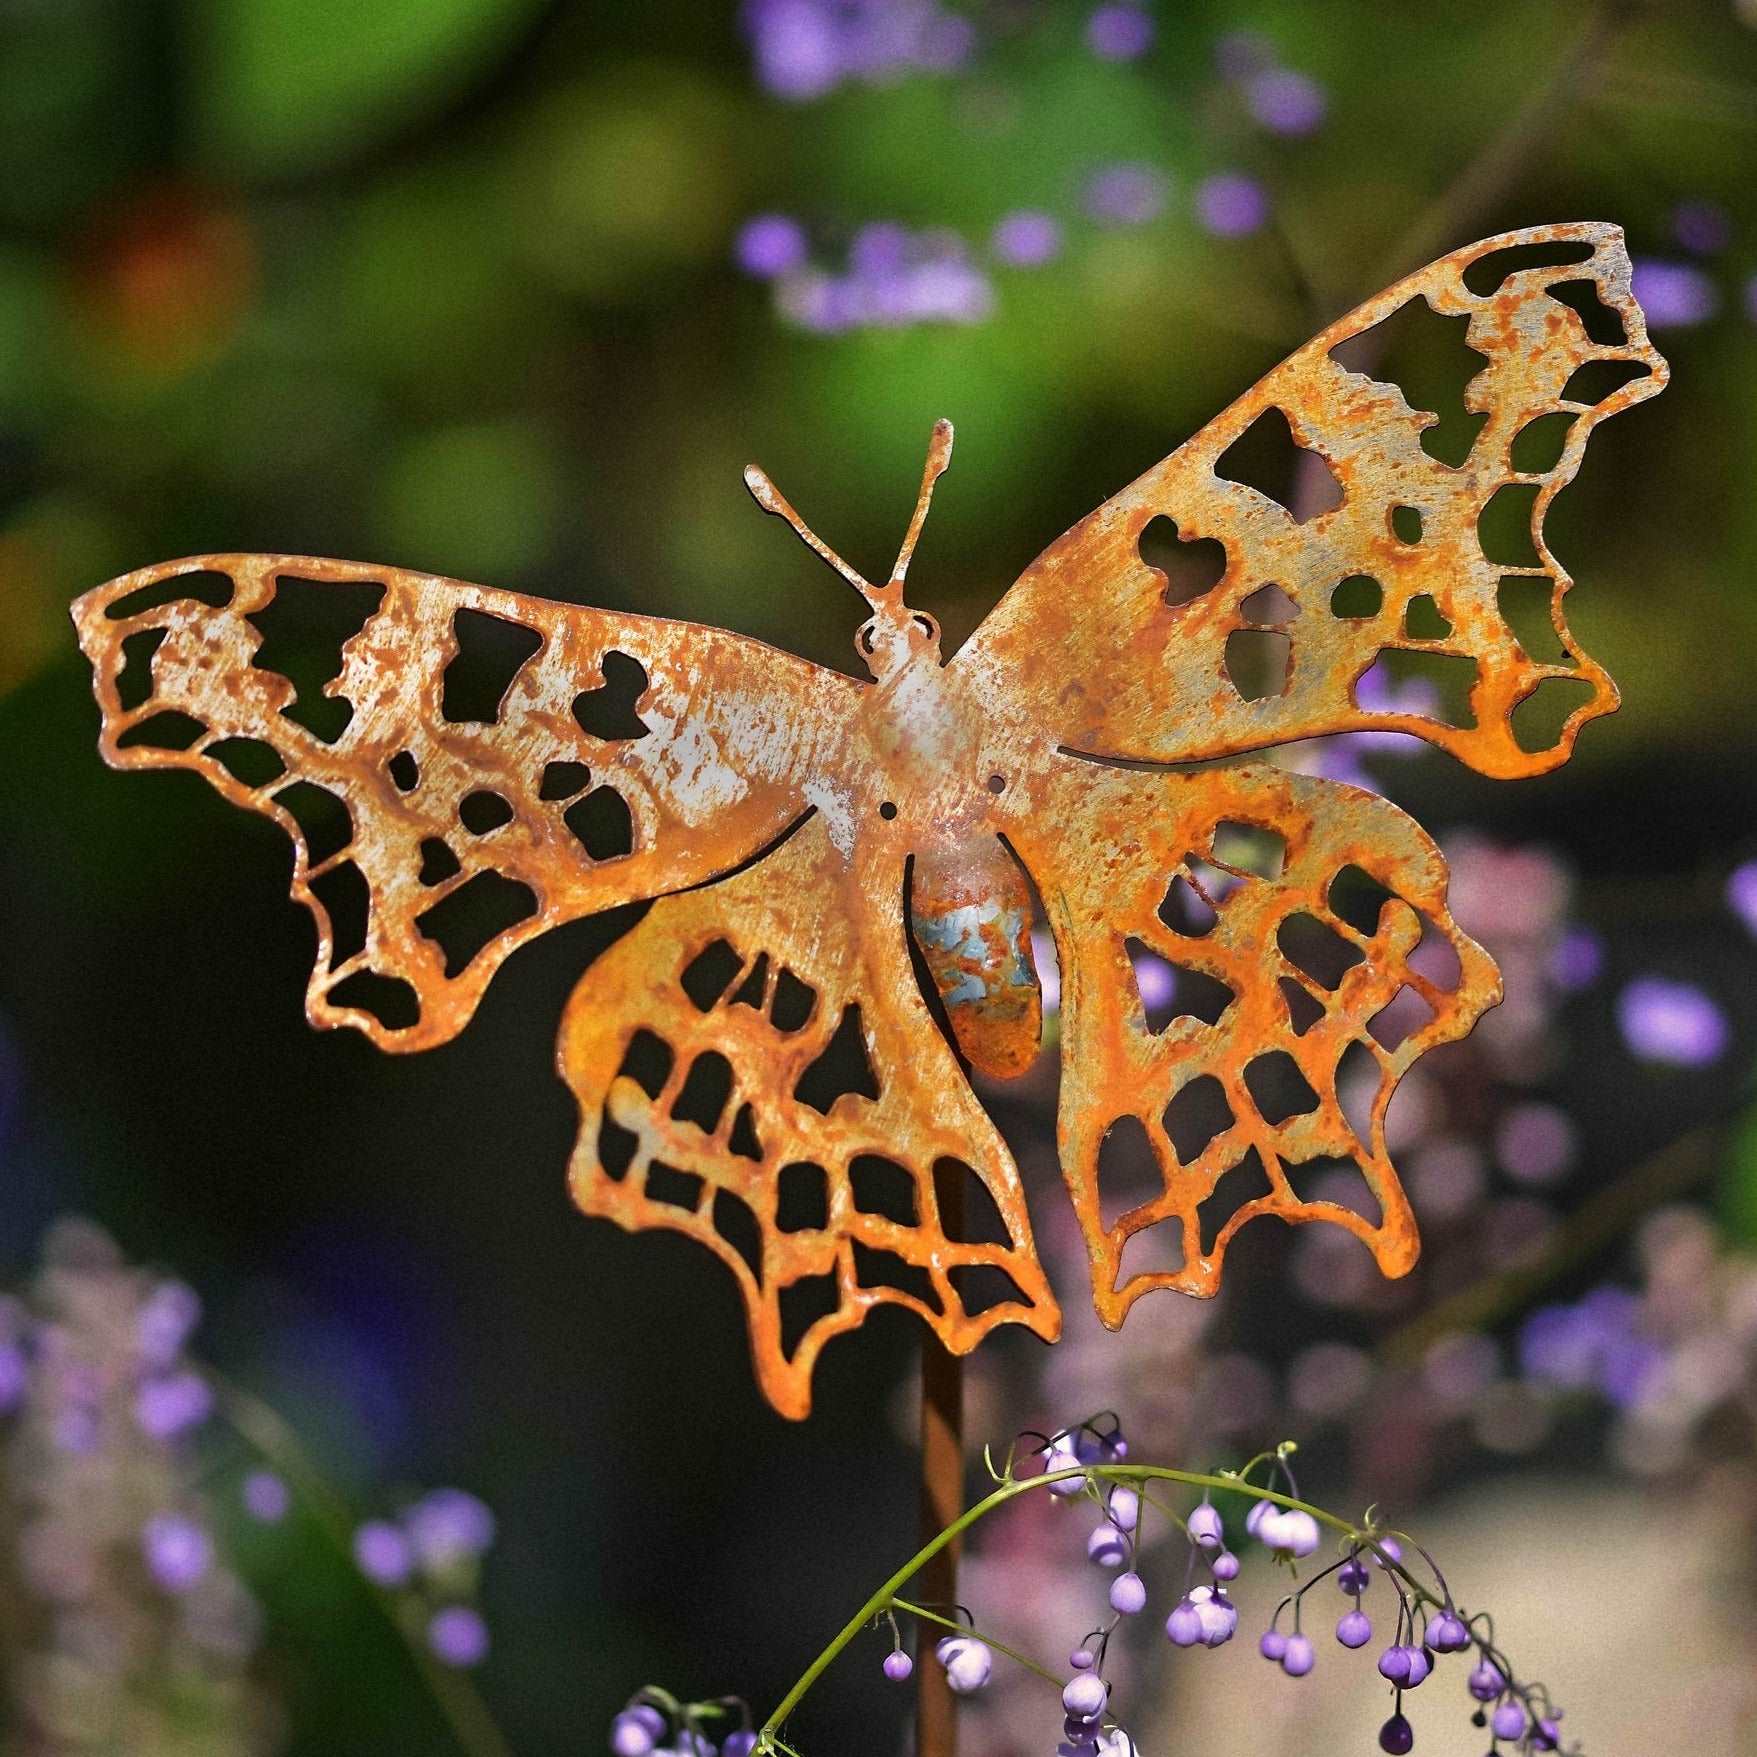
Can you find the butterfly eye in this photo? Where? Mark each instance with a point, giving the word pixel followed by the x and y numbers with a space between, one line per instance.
pixel 867 639
pixel 928 628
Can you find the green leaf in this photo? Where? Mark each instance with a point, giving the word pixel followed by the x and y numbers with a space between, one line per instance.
pixel 290 86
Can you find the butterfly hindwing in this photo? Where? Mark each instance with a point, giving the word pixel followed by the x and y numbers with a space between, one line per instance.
pixel 1196 616
pixel 466 768
pixel 1250 960
pixel 755 1067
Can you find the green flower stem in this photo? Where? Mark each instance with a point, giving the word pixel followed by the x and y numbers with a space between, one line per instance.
pixel 886 1595
pixel 1012 1653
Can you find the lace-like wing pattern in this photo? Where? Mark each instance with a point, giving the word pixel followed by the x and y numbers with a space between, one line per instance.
pixel 754 1072
pixel 1250 961
pixel 459 769
pixel 1270 631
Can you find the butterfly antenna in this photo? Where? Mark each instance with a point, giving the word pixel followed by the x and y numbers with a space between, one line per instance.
pixel 939 455
pixel 772 500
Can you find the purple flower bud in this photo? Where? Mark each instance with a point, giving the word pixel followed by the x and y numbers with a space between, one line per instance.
pixel 1299 1657
pixel 1128 1594
pixel 739 1744
pixel 1352 1577
pixel 1206 1528
pixel 266 1497
pixel 1231 205
pixel 1258 1513
pixel 1224 1566
pixel 448 1526
pixel 458 1636
pixel 1485 1683
pixel 770 245
pixel 635 1731
pixel 1355 1629
pixel 1082 1659
pixel 1548 1735
pixel 1421 1662
pixel 1219 1615
pixel 1119 33
pixel 164 1322
pixel 1390 1547
pixel 898 1666
pixel 1026 239
pixel 1272 1644
pixel 172 1403
pixel 1184 1625
pixel 1285 102
pixel 968 1662
pixel 1125 1508
pixel 1085 1694
pixel 178 1551
pixel 1062 1456
pixel 382 1553
pixel 1671 1022
pixel 1508 1721
pixel 1446 1633
pixel 1394 1664
pixel 1396 1736
pixel 1107 1546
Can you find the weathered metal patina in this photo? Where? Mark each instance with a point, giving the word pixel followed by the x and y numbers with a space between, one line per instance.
pixel 758 1063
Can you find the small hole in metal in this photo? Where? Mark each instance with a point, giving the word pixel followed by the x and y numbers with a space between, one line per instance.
pixel 997 783
pixel 887 811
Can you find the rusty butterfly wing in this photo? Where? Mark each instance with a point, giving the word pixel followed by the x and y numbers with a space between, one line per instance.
pixel 466 769
pixel 1299 925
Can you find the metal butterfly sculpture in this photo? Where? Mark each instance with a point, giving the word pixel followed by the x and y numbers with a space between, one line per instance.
pixel 757 1063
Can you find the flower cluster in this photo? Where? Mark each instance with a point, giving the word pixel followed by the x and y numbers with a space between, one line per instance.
pixel 655 1723
pixel 434 1548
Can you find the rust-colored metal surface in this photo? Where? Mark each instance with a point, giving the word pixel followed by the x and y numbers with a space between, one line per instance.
pixel 1250 958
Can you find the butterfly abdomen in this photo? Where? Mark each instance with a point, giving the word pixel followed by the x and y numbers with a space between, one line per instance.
pixel 971 914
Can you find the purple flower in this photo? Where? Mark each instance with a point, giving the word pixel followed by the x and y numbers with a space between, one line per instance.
pixel 1704 228
pixel 1675 295
pixel 448 1526
pixel 1125 195
pixel 1578 958
pixel 1741 893
pixel 166 1318
pixel 1508 1721
pixel 171 1404
pixel 458 1636
pixel 1128 1594
pixel 770 245
pixel 1107 1546
pixel 1026 239
pixel 1672 1022
pixel 1285 102
pixel 15 1375
pixel 1231 205
pixel 178 1551
pixel 968 1663
pixel 1535 1143
pixel 383 1553
pixel 266 1497
pixel 635 1731
pixel 1205 1526
pixel 1119 33
pixel 804 49
pixel 898 1666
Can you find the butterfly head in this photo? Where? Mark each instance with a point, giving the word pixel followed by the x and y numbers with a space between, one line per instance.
pixel 894 637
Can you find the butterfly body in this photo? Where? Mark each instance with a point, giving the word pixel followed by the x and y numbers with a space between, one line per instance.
pixel 1250 957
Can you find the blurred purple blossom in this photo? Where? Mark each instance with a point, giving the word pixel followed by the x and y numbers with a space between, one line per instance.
pixel 895 278
pixel 770 245
pixel 805 49
pixel 1231 205
pixel 1577 960
pixel 1673 1022
pixel 1704 228
pixel 1594 1344
pixel 1119 32
pixel 168 1316
pixel 1286 102
pixel 1536 1143
pixel 1675 295
pixel 458 1636
pixel 266 1497
pixel 1026 239
pixel 1741 893
pixel 1127 194
pixel 14 1375
pixel 177 1549
pixel 447 1526
pixel 169 1404
pixel 383 1553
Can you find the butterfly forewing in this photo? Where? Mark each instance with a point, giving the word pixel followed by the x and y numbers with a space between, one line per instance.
pixel 755 1067
pixel 460 769
pixel 1250 960
pixel 1316 607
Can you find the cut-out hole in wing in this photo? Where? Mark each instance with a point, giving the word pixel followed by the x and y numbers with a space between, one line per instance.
pixel 1193 566
pixel 491 653
pixel 610 711
pixel 304 629
pixel 1268 458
